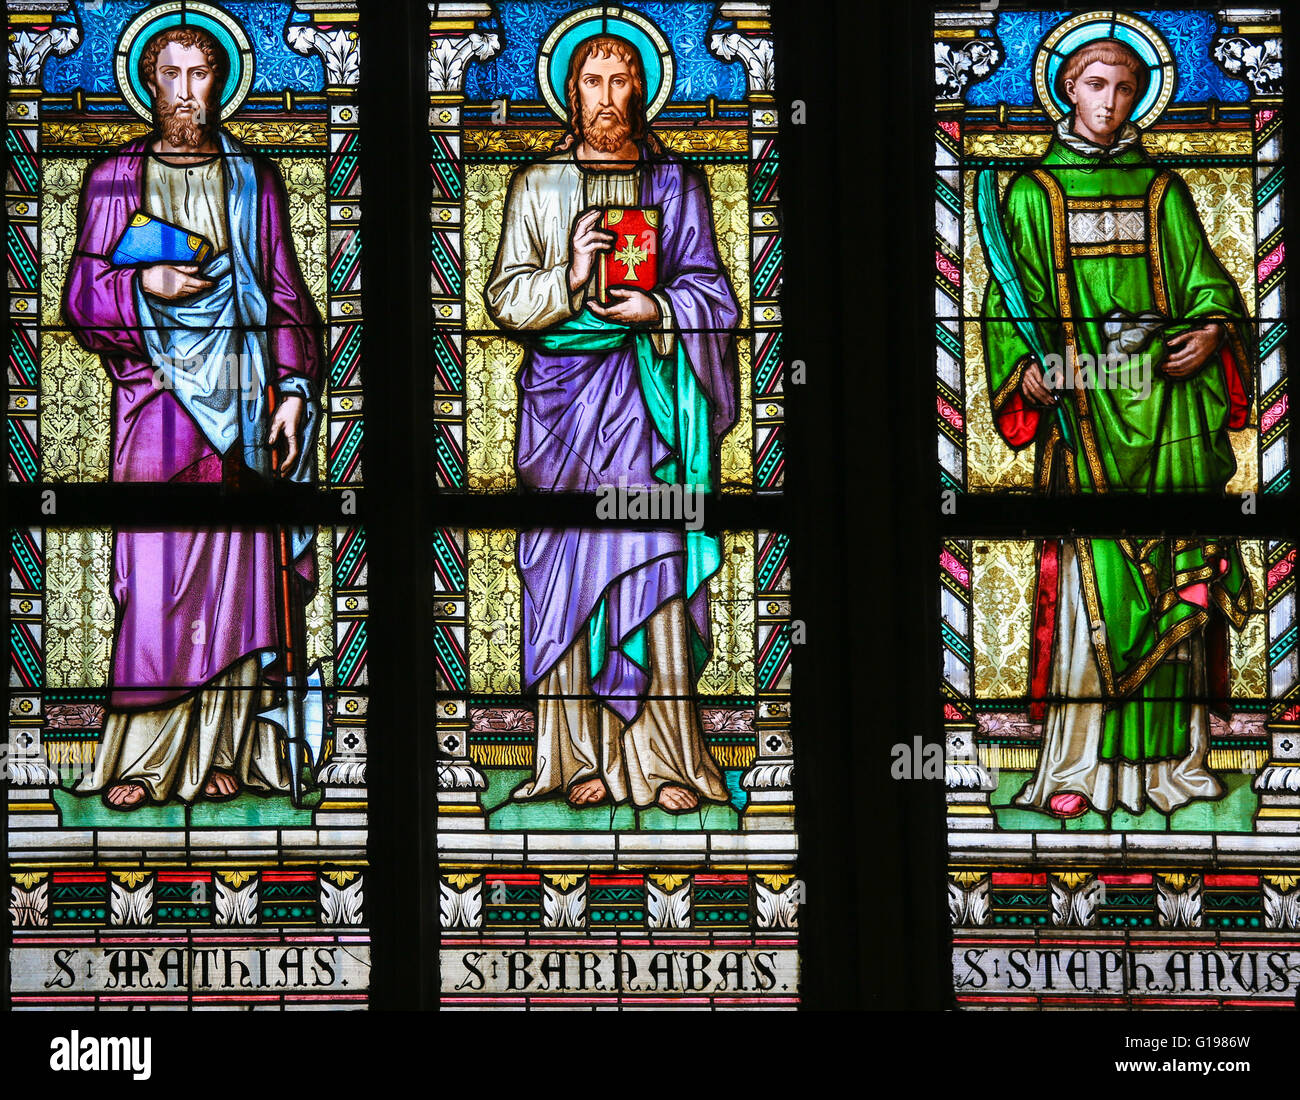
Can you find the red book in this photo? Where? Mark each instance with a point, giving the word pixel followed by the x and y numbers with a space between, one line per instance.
pixel 633 259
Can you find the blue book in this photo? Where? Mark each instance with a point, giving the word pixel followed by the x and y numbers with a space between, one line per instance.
pixel 150 240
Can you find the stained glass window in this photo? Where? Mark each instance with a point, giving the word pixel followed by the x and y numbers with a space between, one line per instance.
pixel 593 566
pixel 1118 691
pixel 1104 261
pixel 711 108
pixel 613 697
pixel 188 698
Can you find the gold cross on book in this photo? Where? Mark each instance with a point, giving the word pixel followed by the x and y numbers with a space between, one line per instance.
pixel 630 255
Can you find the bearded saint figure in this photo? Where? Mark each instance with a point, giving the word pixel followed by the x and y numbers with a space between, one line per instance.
pixel 191 349
pixel 615 622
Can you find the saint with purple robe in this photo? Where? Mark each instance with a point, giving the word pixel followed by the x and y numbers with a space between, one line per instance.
pixel 215 365
pixel 638 392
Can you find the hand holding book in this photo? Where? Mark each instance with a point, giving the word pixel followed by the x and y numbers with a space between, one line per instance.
pixel 586 243
pixel 628 307
pixel 633 260
pixel 621 245
pixel 172 281
pixel 169 256
pixel 150 240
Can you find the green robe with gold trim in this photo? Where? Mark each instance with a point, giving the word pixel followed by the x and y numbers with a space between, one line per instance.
pixel 1140 589
pixel 1094 236
pixel 1106 235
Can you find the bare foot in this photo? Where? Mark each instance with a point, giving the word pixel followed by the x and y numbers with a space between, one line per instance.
pixel 676 800
pixel 126 796
pixel 588 793
pixel 221 785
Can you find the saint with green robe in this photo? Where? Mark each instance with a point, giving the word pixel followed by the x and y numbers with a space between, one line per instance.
pixel 1110 258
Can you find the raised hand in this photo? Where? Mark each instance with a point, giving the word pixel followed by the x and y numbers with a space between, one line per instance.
pixel 1188 351
pixel 585 243
pixel 172 281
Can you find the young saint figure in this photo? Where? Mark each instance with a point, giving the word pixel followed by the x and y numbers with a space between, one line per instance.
pixel 1150 370
pixel 191 349
pixel 615 622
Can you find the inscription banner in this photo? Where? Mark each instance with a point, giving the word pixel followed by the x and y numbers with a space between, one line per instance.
pixel 1251 973
pixel 746 970
pixel 141 967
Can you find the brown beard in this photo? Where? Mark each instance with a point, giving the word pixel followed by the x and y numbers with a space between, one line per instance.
pixel 605 135
pixel 182 133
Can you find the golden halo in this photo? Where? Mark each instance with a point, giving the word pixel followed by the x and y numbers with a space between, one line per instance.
pixel 649 40
pixel 223 27
pixel 1133 32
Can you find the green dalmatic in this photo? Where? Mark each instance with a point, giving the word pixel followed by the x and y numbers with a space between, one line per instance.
pixel 1141 588
pixel 1113 262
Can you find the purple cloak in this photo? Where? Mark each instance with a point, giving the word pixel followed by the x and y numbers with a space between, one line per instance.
pixel 166 582
pixel 583 423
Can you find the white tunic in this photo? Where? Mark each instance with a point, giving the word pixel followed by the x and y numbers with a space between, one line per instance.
pixel 192 196
pixel 1069 760
pixel 528 289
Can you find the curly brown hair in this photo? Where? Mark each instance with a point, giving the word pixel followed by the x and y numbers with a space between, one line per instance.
pixel 213 53
pixel 603 46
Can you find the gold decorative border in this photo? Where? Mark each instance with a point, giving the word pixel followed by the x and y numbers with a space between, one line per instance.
pixel 1088 582
pixel 1166 642
pixel 1133 679
pixel 519 139
pixel 1110 248
pixel 1236 610
pixel 1113 203
pixel 1155 195
pixel 1019 758
pixel 1008 388
pixel 1065 301
pixel 309 134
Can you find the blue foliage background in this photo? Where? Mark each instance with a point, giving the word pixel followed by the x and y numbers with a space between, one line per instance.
pixel 525 23
pixel 90 66
pixel 1188 33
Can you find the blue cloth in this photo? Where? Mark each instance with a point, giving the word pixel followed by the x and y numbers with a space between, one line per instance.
pixel 212 351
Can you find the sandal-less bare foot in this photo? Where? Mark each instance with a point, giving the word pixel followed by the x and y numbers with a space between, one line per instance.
pixel 590 793
pixel 220 787
pixel 676 800
pixel 125 796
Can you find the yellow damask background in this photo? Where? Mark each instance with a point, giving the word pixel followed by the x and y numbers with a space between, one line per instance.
pixel 1155 142
pixel 492 362
pixel 1002 583
pixel 249 131
pixel 494 616
pixel 80 614
pixel 506 139
pixel 76 409
pixel 1223 197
